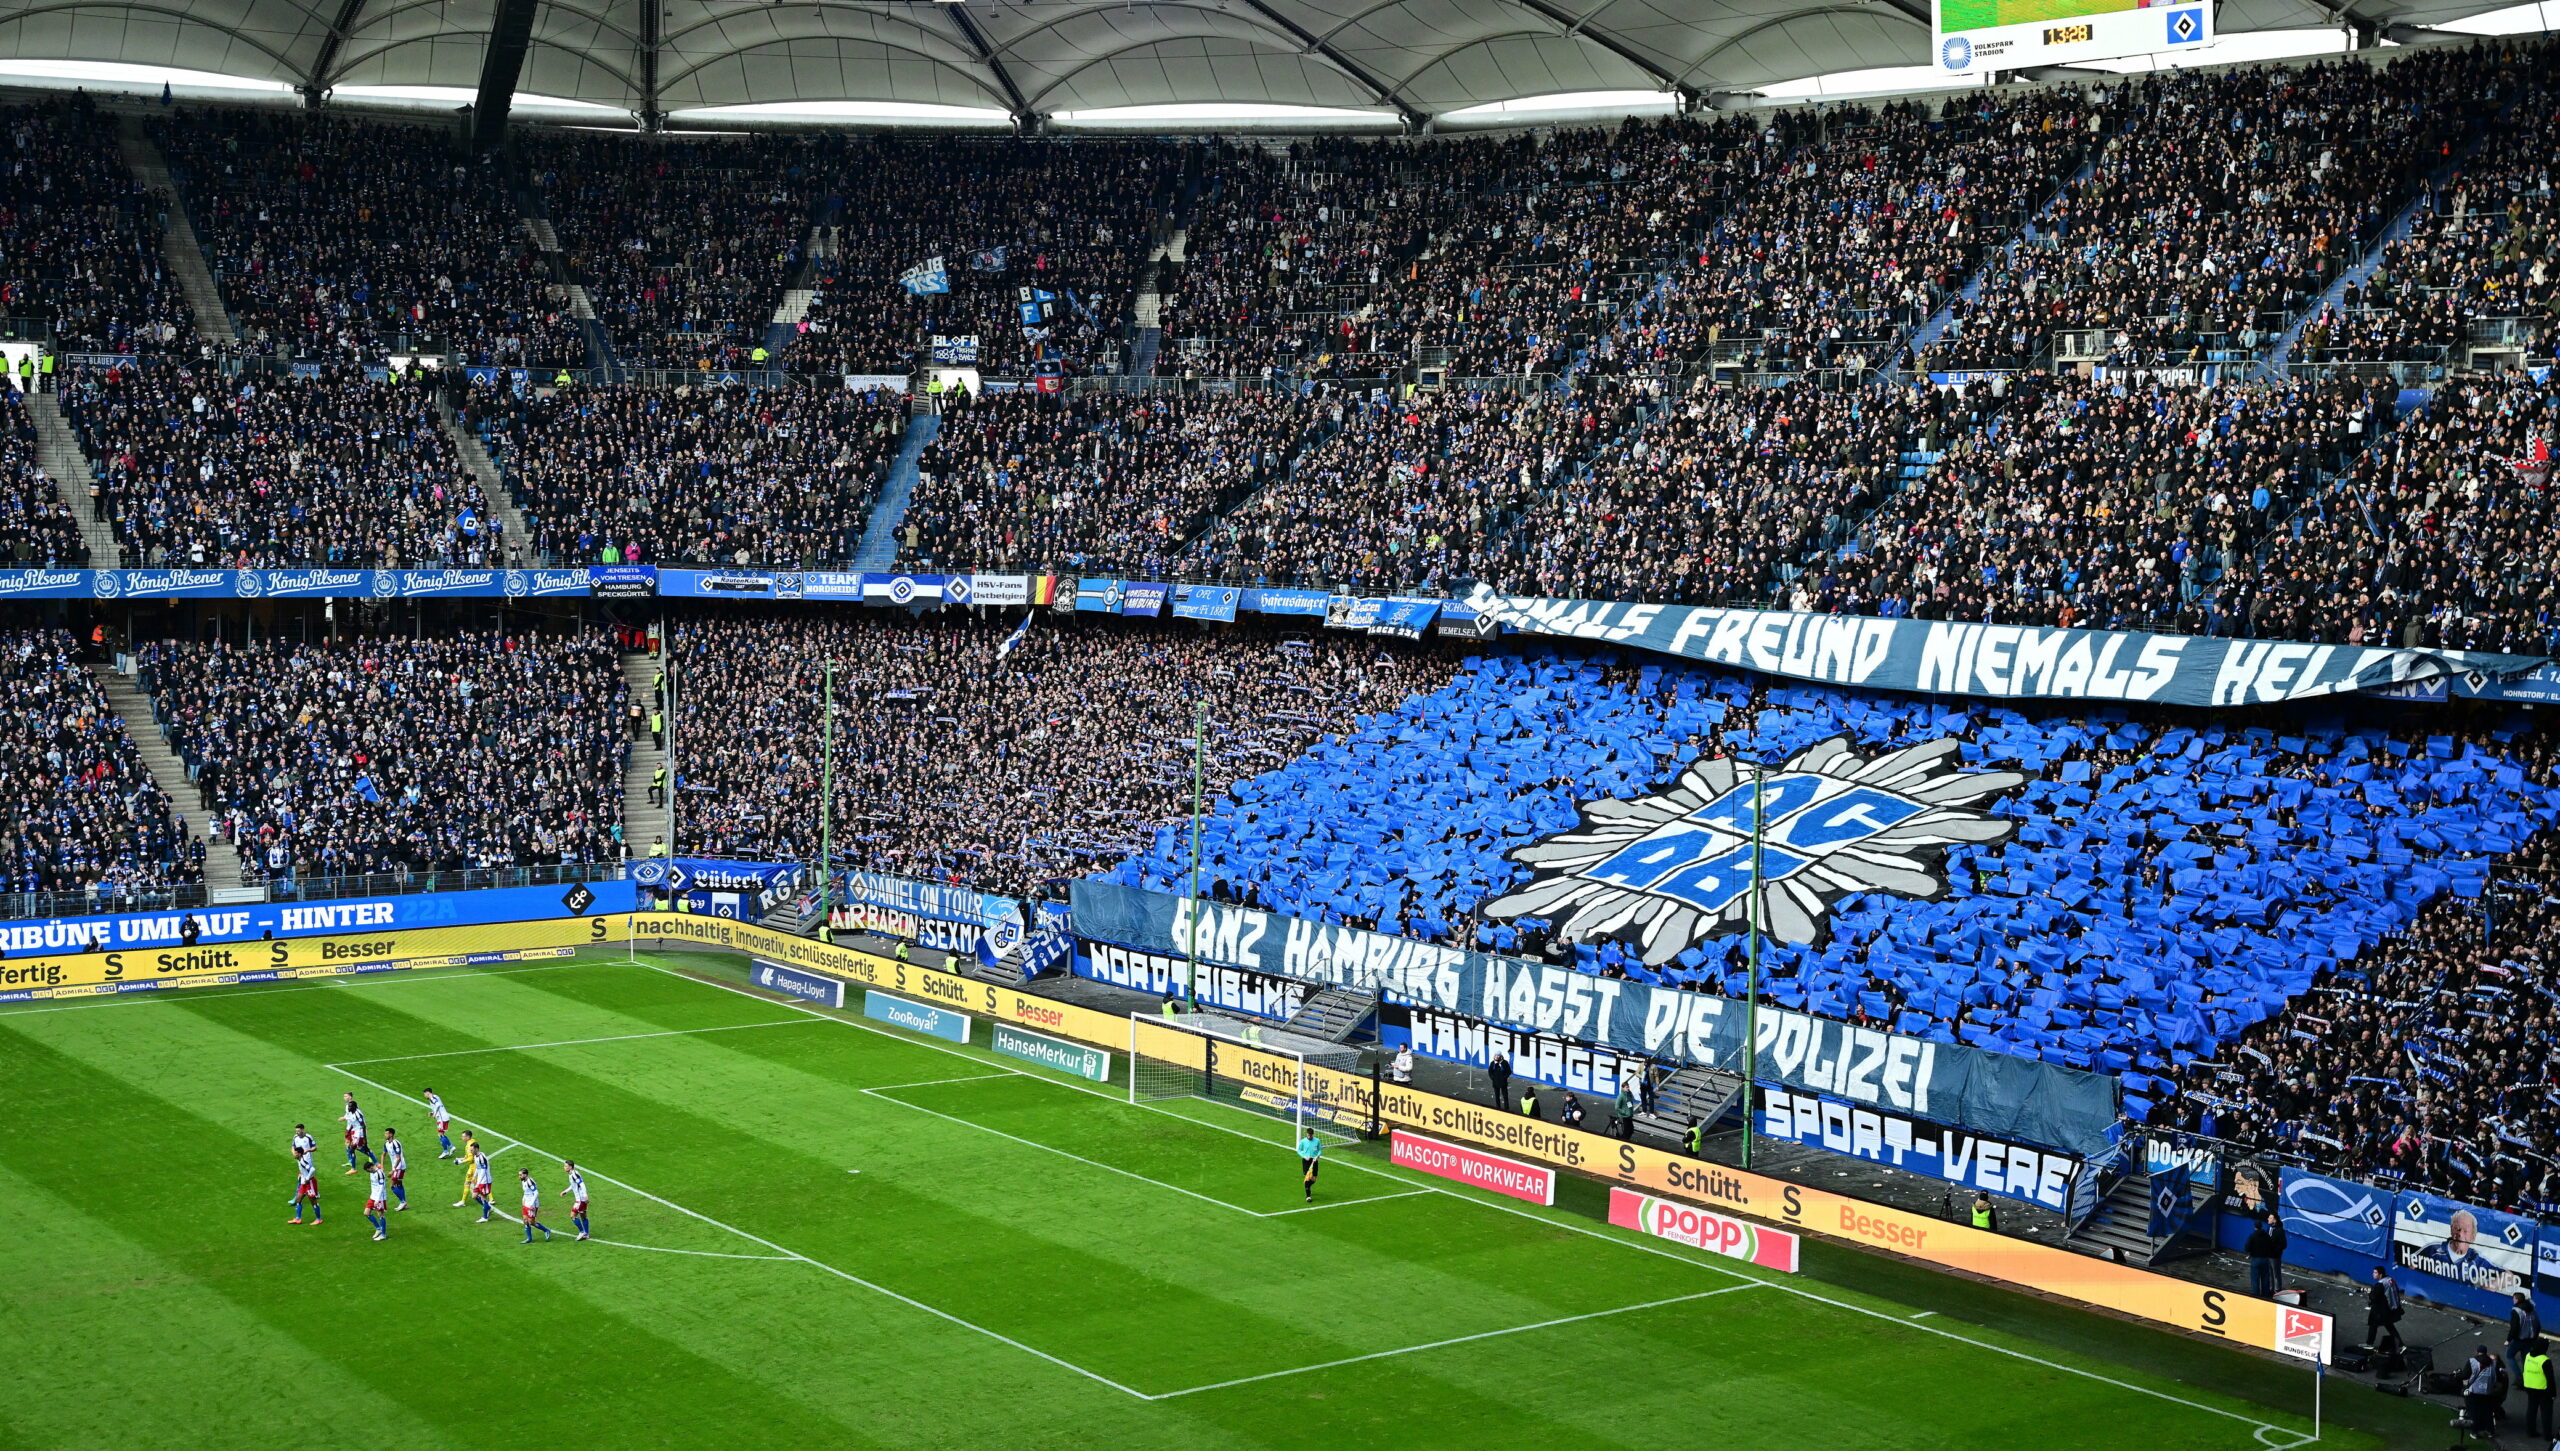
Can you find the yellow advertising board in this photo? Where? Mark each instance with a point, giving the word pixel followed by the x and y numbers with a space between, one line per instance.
pixel 212 964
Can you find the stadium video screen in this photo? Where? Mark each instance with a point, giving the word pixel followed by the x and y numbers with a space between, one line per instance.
pixel 1975 36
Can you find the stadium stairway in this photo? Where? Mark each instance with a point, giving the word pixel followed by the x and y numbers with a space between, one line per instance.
pixel 178 243
pixel 880 537
pixel 2119 1228
pixel 1690 1094
pixel 151 744
pixel 58 453
pixel 641 821
pixel 493 483
pixel 1336 1014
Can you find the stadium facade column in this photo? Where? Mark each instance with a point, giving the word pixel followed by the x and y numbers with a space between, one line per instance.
pixel 826 804
pixel 510 35
pixel 1751 982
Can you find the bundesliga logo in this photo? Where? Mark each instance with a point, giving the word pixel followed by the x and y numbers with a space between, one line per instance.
pixel 1664 873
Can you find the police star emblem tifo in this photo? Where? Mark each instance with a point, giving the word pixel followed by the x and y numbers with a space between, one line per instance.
pixel 1666 872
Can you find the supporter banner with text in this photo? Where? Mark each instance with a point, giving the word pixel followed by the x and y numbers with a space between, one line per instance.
pixel 1205 602
pixel 253 584
pixel 1996 661
pixel 1234 989
pixel 994 925
pixel 2206 1310
pixel 2460 1254
pixel 2020 1099
pixel 1538 1057
pixel 1970 1160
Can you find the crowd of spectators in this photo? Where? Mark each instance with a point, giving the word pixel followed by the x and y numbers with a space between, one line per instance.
pixel 683 243
pixel 79 241
pixel 1009 219
pixel 2424 1062
pixel 1721 495
pixel 2438 535
pixel 2479 246
pixel 2218 206
pixel 685 475
pixel 1104 482
pixel 261 470
pixel 1008 774
pixel 1406 493
pixel 78 810
pixel 388 753
pixel 344 239
pixel 2107 505
pixel 36 525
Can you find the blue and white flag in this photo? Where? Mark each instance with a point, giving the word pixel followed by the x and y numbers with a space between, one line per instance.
pixel 927 276
pixel 1006 647
pixel 366 789
pixel 469 523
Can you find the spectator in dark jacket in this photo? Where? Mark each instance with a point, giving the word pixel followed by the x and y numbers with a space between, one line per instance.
pixel 2266 1256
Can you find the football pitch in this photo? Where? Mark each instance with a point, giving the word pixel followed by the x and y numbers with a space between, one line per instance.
pixel 815 1231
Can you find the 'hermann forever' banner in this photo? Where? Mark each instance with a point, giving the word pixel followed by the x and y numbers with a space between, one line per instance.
pixel 1992 1093
pixel 1943 657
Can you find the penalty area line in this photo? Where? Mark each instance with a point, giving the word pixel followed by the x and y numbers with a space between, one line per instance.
pixel 708 1254
pixel 786 1252
pixel 570 1042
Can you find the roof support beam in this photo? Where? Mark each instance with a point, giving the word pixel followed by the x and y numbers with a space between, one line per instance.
pixel 1024 118
pixel 1582 29
pixel 1385 95
pixel 653 14
pixel 510 36
pixel 315 83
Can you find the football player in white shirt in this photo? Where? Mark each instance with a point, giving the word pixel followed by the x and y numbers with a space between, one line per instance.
pixel 306 1186
pixel 303 1143
pixel 480 1181
pixel 395 1160
pixel 577 1191
pixel 532 1207
pixel 354 1120
pixel 375 1194
pixel 444 1125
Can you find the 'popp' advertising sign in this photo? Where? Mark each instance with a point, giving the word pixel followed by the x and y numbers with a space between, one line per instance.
pixel 1772 1249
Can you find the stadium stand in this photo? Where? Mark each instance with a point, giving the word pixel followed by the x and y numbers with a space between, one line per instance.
pixel 1107 483
pixel 81 257
pixel 78 810
pixel 683 475
pixel 197 468
pixel 343 240
pixel 1008 774
pixel 36 525
pixel 684 246
pixel 1073 221
pixel 391 754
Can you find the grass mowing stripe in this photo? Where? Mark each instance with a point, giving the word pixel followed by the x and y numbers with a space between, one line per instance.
pixel 845 1275
pixel 572 1042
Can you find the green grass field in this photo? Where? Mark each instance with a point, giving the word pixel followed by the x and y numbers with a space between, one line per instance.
pixel 1955 15
pixel 822 1233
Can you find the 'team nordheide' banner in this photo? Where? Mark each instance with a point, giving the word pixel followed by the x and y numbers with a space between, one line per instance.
pixel 1999 661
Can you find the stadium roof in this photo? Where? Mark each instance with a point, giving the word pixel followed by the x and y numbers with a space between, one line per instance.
pixel 1412 59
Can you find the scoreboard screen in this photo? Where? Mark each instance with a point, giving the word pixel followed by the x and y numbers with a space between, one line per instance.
pixel 1975 36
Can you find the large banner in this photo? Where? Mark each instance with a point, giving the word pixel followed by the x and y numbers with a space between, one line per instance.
pixel 2007 662
pixel 2352 1218
pixel 725 888
pixel 75 937
pixel 2019 1099
pixel 988 926
pixel 1970 1160
pixel 210 964
pixel 253 584
pixel 1539 1057
pixel 2460 1254
pixel 1232 989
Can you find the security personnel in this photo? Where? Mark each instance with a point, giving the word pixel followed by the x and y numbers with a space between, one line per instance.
pixel 658 787
pixel 1529 1102
pixel 759 356
pixel 1694 1142
pixel 900 951
pixel 563 380
pixel 658 728
pixel 2537 1388
pixel 1981 1212
pixel 658 848
pixel 1171 1007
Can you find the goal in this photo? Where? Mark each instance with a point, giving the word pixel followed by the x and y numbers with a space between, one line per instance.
pixel 1224 1060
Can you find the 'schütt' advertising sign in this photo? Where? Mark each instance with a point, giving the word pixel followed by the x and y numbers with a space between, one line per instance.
pixel 1771 1249
pixel 1473 1167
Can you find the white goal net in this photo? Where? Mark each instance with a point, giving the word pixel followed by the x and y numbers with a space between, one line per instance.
pixel 1224 1060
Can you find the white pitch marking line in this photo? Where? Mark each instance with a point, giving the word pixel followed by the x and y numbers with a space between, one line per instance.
pixel 1340 1203
pixel 1453 1340
pixel 571 1042
pixel 930 1082
pixel 845 1275
pixel 1489 1203
pixel 1925 1314
pixel 709 1254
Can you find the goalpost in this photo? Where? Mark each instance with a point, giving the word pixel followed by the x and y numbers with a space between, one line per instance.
pixel 1226 1061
